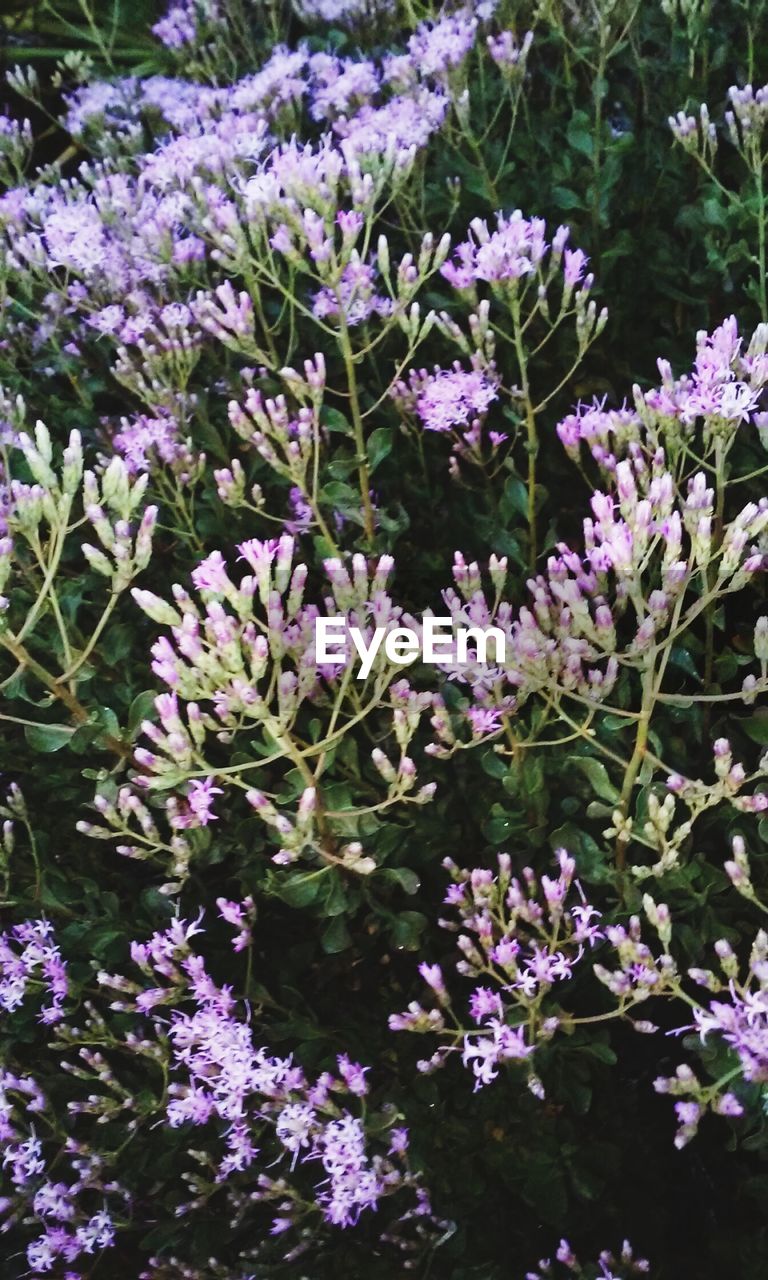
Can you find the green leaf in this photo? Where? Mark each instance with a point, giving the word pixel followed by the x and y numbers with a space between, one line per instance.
pixel 614 723
pixel 379 446
pixel 566 199
pixel 84 737
pixel 597 775
pixel 117 643
pixel 336 902
pixel 598 809
pixel 407 879
pixel 499 829
pixel 343 498
pixel 341 468
pixel 756 726
pixel 603 1052
pixel 407 928
pixel 107 721
pixel 300 889
pixel 714 213
pixel 681 658
pixel 141 709
pixel 494 764
pixel 334 420
pixel 581 140
pixel 514 500
pixel 335 937
pixel 48 737
pixel 102 942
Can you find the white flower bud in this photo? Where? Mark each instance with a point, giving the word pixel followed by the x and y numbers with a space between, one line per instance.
pixel 97 560
pixel 157 609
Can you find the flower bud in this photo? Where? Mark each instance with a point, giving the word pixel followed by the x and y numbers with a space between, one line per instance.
pixel 156 608
pixel 97 560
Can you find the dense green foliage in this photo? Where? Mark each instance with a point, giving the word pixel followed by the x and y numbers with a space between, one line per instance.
pixel 673 235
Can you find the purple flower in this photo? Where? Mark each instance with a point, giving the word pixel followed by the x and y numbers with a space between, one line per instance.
pixel 352 1183
pixel 433 976
pixel 407 122
pixel 487 1052
pixel 29 960
pixel 438 48
pixel 512 251
pixel 484 1003
pixel 356 298
pixel 198 808
pixel 295 1127
pixel 146 442
pixel 451 398
pixel 186 20
pixel 575 262
pixel 507 53
pixel 353 1075
pixel 398 1141
pixel 241 916
pixel 339 86
pixel 484 720
pixel 211 574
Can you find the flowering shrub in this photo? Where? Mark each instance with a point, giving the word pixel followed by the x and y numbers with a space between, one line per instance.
pixel 374 313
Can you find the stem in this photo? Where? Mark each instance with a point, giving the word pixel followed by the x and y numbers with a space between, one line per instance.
pixel 490 184
pixel 35 857
pixel 532 443
pixel 709 618
pixel 75 708
pixel 597 153
pixel 363 475
pixel 88 650
pixel 636 760
pixel 49 571
pixel 312 495
pixel 761 236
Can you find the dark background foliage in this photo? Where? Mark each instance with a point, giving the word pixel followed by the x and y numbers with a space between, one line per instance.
pixel 596 1162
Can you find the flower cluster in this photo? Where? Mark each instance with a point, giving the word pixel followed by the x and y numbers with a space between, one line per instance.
pixel 222 297
pixel 520 938
pixel 182 23
pixel 448 399
pixel 609 1267
pixel 30 962
pixel 516 249
pixel 717 398
pixel 268 1112
pixel 247 663
pixel 72 1217
pixel 259 1100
